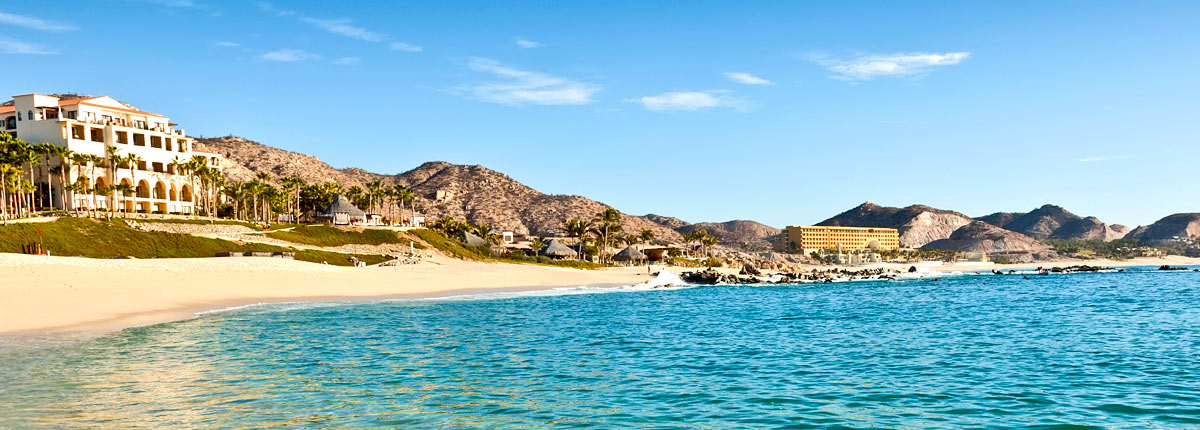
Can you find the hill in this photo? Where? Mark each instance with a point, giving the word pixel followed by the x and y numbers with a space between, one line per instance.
pixel 735 232
pixel 1178 225
pixel 917 224
pixel 1054 222
pixel 999 219
pixel 472 193
pixel 980 236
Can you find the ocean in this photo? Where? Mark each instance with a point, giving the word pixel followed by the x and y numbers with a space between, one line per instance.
pixel 1103 350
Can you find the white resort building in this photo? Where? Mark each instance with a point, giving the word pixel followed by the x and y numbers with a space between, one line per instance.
pixel 93 125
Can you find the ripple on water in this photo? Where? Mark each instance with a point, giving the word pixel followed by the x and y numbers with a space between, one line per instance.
pixel 1090 351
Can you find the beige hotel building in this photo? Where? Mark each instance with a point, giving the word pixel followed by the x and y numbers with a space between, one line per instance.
pixel 90 126
pixel 810 238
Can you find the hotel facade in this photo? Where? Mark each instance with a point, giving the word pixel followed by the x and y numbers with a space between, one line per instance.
pixel 813 238
pixel 92 125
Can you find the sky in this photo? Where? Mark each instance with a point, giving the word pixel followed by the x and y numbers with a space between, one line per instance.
pixel 782 112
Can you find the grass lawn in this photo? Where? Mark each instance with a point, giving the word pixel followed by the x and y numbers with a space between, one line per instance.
pixel 196 221
pixel 96 238
pixel 330 236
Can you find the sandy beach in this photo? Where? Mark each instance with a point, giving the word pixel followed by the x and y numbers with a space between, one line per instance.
pixel 71 293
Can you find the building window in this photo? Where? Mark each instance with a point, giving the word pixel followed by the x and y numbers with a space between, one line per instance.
pixel 12 123
pixel 72 114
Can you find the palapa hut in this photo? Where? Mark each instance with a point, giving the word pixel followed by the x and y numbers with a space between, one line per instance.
pixel 556 249
pixel 631 255
pixel 342 212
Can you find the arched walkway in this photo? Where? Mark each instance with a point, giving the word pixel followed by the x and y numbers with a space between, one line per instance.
pixel 174 194
pixel 160 190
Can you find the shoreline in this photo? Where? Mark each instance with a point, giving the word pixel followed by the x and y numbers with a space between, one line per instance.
pixel 75 294
pixel 58 294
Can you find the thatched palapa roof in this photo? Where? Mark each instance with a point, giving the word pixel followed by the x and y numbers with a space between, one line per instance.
pixel 342 205
pixel 629 254
pixel 554 248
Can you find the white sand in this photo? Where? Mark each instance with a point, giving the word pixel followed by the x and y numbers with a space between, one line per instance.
pixel 66 293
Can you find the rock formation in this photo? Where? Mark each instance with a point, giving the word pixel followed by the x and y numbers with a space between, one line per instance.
pixel 1054 222
pixel 980 236
pixel 1172 226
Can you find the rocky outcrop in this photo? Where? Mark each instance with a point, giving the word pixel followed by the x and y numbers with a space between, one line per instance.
pixel 735 232
pixel 1000 219
pixel 917 224
pixel 1090 228
pixel 1178 225
pixel 979 236
pixel 1054 222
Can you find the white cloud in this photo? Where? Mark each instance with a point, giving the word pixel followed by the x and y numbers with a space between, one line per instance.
pixel 526 43
pixel 289 56
pixel 867 67
pixel 401 46
pixel 344 27
pixel 746 78
pixel 522 87
pixel 688 101
pixel 1092 159
pixel 347 61
pixel 34 23
pixel 22 48
pixel 228 44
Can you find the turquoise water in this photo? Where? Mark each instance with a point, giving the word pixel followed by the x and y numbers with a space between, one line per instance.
pixel 1116 350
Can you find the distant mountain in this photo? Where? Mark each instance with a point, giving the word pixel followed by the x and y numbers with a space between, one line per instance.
pixel 668 221
pixel 979 236
pixel 735 232
pixel 917 224
pixel 1054 222
pixel 1171 226
pixel 473 193
pixel 999 219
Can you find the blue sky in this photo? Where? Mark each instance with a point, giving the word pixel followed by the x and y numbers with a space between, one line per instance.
pixel 782 112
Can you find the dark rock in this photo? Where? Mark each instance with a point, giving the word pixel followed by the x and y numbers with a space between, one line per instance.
pixel 749 269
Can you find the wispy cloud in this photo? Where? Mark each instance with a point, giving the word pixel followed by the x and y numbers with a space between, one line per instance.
pixel 1092 159
pixel 746 78
pixel 228 44
pixel 23 48
pixel 34 22
pixel 867 67
pixel 526 43
pixel 344 27
pixel 347 61
pixel 517 87
pixel 401 46
pixel 689 101
pixel 289 56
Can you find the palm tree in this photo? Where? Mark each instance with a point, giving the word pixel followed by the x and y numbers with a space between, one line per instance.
pixel 80 160
pixel 608 223
pixel 707 242
pixel 578 229
pixel 63 154
pixel 292 186
pixel 646 235
pixel 405 195
pixel 114 156
pixel 44 151
pixel 126 190
pixel 134 161
pixel 374 192
pixel 214 181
